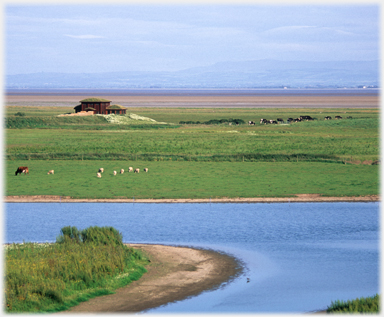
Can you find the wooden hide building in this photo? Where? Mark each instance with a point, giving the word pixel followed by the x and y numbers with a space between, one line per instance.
pixel 99 106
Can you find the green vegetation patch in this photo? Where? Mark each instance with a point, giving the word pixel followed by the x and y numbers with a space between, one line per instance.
pixel 115 107
pixel 80 265
pixel 359 305
pixel 94 100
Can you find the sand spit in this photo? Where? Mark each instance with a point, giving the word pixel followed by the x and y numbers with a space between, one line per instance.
pixel 174 274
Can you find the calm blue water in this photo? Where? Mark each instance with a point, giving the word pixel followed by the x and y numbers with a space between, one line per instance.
pixel 299 256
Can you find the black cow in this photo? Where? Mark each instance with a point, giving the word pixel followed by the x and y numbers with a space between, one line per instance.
pixel 22 169
pixel 279 120
pixel 338 117
pixel 308 118
pixel 327 118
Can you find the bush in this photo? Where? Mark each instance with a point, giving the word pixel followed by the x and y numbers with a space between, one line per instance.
pixel 20 114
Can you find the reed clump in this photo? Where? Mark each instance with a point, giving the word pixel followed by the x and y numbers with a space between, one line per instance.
pixel 358 305
pixel 81 264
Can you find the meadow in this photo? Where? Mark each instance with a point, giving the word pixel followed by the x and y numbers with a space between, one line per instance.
pixel 82 264
pixel 193 160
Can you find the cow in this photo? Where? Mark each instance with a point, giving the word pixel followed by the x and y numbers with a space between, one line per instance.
pixel 251 122
pixel 98 175
pixel 146 169
pixel 22 169
pixel 101 170
pixel 130 169
pixel 121 171
pixel 308 118
pixel 289 120
pixel 280 120
pixel 297 119
pixel 338 117
pixel 327 118
pixel 137 170
pixel 51 172
pixel 272 122
pixel 114 172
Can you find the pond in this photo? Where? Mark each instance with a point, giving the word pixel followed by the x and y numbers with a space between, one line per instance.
pixel 299 257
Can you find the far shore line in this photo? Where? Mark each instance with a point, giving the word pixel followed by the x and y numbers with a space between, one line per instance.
pixel 296 198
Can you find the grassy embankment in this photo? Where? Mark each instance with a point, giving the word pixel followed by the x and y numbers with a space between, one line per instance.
pixel 193 161
pixel 79 266
pixel 359 305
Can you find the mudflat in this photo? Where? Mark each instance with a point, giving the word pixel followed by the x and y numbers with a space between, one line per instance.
pixel 217 101
pixel 174 274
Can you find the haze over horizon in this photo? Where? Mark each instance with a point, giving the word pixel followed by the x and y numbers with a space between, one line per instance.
pixel 169 38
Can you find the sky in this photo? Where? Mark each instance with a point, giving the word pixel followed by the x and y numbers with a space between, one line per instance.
pixel 89 38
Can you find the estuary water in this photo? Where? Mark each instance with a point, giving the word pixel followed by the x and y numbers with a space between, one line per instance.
pixel 298 257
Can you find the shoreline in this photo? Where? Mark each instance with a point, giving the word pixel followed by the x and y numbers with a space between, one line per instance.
pixel 296 198
pixel 175 273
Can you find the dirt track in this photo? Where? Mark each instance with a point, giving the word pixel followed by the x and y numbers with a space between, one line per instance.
pixel 297 198
pixel 174 273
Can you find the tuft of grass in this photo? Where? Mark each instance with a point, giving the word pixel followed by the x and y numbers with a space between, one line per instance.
pixel 359 305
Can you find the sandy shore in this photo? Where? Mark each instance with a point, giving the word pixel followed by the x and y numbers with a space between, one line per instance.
pixel 216 101
pixel 296 198
pixel 174 274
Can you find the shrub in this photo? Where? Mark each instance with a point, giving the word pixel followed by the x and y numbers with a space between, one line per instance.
pixel 20 114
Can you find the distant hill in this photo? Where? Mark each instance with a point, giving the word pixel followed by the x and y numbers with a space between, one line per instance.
pixel 248 74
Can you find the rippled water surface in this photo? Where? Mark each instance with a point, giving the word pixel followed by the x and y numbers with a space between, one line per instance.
pixel 299 257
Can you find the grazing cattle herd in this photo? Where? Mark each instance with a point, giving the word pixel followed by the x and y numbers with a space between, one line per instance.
pixel 289 120
pixel 25 170
pixel 130 169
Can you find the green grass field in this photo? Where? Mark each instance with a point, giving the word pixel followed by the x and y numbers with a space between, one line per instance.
pixel 192 161
pixel 191 179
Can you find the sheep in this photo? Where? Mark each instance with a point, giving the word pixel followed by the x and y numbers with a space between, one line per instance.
pixel 121 171
pixel 146 169
pixel 137 170
pixel 114 172
pixel 98 175
pixel 51 172
pixel 101 170
pixel 130 169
